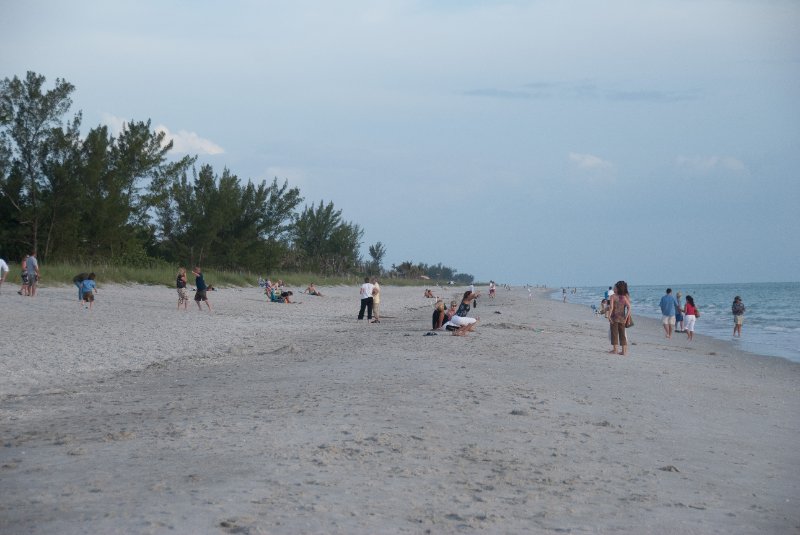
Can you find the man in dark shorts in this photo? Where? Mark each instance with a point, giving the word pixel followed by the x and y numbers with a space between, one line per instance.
pixel 200 292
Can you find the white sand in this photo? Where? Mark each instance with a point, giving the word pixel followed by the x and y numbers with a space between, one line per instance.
pixel 268 418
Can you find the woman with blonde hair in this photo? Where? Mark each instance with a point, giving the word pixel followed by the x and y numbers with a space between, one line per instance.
pixel 619 315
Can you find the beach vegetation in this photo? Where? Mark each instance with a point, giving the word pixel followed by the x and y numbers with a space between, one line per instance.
pixel 121 204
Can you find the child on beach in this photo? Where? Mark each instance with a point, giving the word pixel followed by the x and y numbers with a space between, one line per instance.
pixel 738 316
pixel 180 284
pixel 88 289
pixel 77 280
pixel 200 292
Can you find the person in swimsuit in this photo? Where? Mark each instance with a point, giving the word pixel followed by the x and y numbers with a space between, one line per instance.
pixel 618 315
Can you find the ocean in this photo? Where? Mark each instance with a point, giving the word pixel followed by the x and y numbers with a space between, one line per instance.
pixel 771 322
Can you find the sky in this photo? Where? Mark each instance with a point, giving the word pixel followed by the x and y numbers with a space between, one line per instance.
pixel 551 142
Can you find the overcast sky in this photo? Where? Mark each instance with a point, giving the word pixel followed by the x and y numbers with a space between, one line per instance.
pixel 560 142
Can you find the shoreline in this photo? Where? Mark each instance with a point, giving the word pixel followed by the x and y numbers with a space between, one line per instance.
pixel 272 418
pixel 653 322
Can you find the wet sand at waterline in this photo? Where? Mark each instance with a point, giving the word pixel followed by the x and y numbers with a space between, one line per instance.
pixel 270 418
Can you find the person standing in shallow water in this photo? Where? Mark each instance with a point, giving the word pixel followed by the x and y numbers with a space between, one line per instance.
pixel 738 315
pixel 618 316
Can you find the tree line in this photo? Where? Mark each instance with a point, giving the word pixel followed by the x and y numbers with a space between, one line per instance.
pixel 121 199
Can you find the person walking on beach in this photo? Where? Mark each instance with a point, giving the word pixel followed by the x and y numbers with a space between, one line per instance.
pixel 738 315
pixel 3 272
pixel 366 299
pixel 87 290
pixel 679 327
pixel 668 306
pixel 200 292
pixel 691 315
pixel 77 280
pixel 32 267
pixel 376 300
pixel 618 316
pixel 180 285
pixel 23 290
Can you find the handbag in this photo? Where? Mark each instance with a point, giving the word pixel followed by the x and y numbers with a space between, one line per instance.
pixel 629 322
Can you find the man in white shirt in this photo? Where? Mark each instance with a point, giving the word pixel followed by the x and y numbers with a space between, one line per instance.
pixel 366 299
pixel 3 271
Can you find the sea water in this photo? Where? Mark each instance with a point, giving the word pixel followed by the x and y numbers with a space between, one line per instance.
pixel 771 321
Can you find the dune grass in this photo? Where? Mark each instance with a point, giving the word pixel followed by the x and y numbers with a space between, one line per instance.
pixel 164 274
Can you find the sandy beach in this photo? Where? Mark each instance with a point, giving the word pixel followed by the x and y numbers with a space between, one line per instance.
pixel 262 418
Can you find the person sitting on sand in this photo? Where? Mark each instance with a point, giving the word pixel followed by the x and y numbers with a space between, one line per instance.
pixel 429 293
pixel 312 290
pixel 439 317
pixel 277 296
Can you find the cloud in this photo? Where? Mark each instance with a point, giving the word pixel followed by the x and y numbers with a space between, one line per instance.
pixel 583 90
pixel 499 93
pixel 589 162
pixel 114 123
pixel 711 163
pixel 182 142
pixel 651 96
pixel 189 142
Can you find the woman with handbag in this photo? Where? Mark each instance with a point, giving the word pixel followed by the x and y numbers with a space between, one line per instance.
pixel 619 317
pixel 691 315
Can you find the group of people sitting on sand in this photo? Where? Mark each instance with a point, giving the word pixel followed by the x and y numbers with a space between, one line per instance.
pixel 454 318
pixel 275 292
